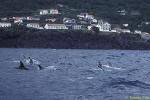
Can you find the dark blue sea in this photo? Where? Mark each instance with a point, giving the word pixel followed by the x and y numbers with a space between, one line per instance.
pixel 75 75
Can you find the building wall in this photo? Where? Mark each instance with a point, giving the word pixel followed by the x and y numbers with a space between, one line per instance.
pixel 102 27
pixel 106 27
pixel 55 27
pixel 37 26
pixel 54 11
pixel 77 27
pixel 5 24
pixel 43 12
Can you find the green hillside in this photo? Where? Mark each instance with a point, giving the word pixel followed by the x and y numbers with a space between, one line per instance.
pixel 105 9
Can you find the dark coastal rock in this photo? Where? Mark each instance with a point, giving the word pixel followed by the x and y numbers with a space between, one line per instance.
pixel 69 39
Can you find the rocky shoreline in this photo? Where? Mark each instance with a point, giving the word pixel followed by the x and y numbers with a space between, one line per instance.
pixel 28 38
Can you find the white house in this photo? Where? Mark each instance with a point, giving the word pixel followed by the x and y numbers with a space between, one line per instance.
pixel 4 19
pixel 49 11
pixel 114 31
pixel 53 11
pixel 146 23
pixel 84 22
pixel 33 18
pixel 126 31
pixel 95 25
pixel 82 15
pixel 122 12
pixel 56 26
pixel 125 25
pixel 85 16
pixel 19 18
pixel 5 24
pixel 18 21
pixel 117 30
pixel 69 21
pixel 89 17
pixel 34 25
pixel 77 27
pixel 43 12
pixel 103 26
pixel 137 32
pixel 94 21
pixel 106 27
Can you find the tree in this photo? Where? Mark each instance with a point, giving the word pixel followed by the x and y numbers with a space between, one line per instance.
pixel 95 29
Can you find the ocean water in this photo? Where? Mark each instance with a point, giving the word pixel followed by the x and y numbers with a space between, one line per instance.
pixel 75 75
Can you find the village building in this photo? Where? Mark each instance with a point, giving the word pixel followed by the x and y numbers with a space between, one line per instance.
pixel 24 18
pixel 69 21
pixel 114 31
pixel 34 25
pixel 85 16
pixel 60 5
pixel 102 26
pixel 49 11
pixel 56 26
pixel 51 19
pixel 106 27
pixel 77 27
pixel 18 21
pixel 126 31
pixel 19 18
pixel 137 32
pixel 29 18
pixel 5 24
pixel 95 25
pixel 125 25
pixel 4 19
pixel 89 17
pixel 94 21
pixel 117 30
pixel 82 15
pixel 53 11
pixel 85 22
pixel 10 18
pixel 122 12
pixel 43 12
pixel 146 23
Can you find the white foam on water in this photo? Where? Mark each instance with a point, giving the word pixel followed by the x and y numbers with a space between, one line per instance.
pixel 107 68
pixel 15 61
pixel 89 78
pixel 54 49
pixel 96 69
pixel 110 67
pixel 51 67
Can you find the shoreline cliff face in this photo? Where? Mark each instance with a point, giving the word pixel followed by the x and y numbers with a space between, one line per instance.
pixel 28 38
